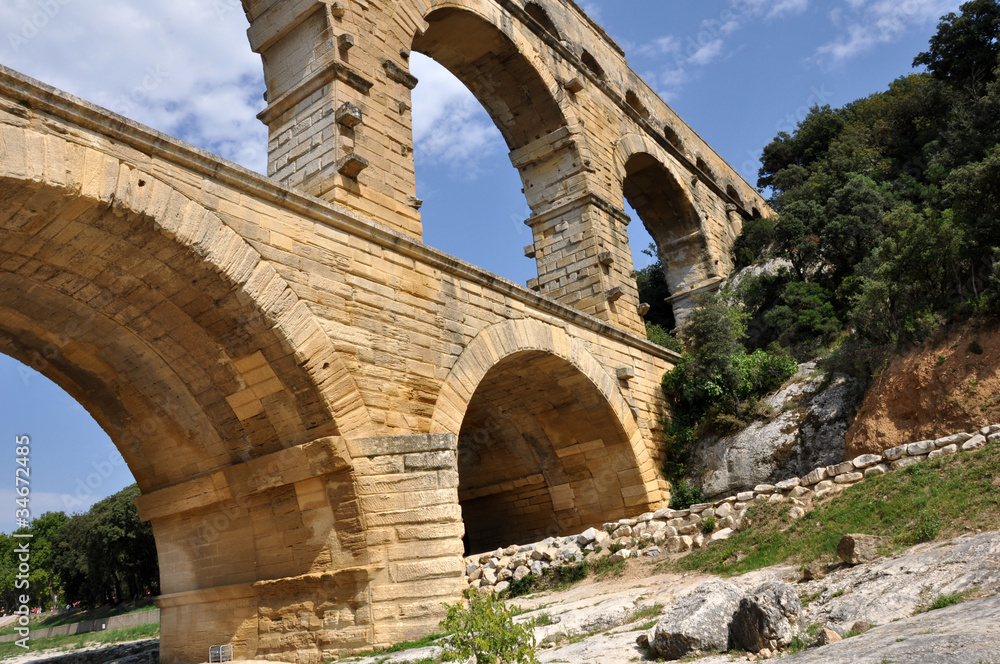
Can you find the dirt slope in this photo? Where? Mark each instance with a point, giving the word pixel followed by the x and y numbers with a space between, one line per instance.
pixel 939 388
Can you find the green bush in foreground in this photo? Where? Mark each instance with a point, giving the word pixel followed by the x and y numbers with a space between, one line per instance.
pixel 486 629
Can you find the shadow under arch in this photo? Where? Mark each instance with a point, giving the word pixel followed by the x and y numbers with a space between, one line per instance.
pixel 191 352
pixel 547 444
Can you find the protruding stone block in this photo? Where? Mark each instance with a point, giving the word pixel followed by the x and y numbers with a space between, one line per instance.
pixel 643 308
pixel 574 85
pixel 338 10
pixel 345 42
pixel 605 258
pixel 615 294
pixel 348 115
pixel 351 165
pixel 625 373
pixel 530 251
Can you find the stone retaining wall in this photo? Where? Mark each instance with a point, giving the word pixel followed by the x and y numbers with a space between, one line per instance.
pixel 678 531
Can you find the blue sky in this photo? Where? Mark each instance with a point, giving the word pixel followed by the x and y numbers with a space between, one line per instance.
pixel 739 71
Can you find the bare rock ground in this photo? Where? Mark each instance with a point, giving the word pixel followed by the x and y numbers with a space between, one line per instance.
pixel 598 621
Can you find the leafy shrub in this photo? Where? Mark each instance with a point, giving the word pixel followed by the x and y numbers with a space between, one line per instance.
pixel 926 529
pixel 486 629
pixel 716 381
pixel 708 525
pixel 659 336
pixel 684 495
pixel 520 587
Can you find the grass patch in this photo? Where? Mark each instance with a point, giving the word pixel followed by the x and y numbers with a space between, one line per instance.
pixel 560 578
pixel 943 601
pixel 76 641
pixel 401 646
pixel 931 500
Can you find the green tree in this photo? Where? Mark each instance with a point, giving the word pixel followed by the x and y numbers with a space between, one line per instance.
pixel 653 290
pixel 966 47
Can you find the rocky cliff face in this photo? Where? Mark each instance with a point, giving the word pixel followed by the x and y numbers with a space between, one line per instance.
pixel 808 431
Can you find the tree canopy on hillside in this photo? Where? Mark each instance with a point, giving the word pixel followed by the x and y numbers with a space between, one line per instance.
pixel 104 556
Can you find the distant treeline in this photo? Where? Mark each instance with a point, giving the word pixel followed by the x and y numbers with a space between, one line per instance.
pixel 105 556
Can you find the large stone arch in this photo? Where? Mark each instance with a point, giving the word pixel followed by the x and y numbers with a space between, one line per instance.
pixel 502 71
pixel 547 443
pixel 667 203
pixel 224 396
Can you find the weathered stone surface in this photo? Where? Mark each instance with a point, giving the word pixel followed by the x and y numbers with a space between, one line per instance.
pixel 920 447
pixel 813 570
pixel 974 443
pixel 905 462
pixel 827 636
pixel 866 460
pixel 880 469
pixel 894 453
pixel 767 618
pixel 856 548
pixel 848 478
pixel 720 535
pixel 699 623
pixel 954 439
pixel 943 451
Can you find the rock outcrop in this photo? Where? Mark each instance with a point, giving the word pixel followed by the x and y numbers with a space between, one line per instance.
pixel 856 548
pixel 699 623
pixel 808 431
pixel 768 618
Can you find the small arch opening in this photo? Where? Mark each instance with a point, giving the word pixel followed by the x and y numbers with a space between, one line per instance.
pixel 673 137
pixel 705 168
pixel 590 62
pixel 669 216
pixel 733 194
pixel 535 11
pixel 632 99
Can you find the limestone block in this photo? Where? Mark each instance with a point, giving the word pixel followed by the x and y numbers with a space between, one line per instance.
pixel 880 469
pixel 905 462
pixel 894 453
pixel 919 448
pixel 954 439
pixel 974 443
pixel 866 460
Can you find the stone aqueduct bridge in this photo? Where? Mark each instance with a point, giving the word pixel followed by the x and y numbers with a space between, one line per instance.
pixel 317 407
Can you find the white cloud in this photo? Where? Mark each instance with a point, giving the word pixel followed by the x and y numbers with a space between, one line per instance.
pixel 450 126
pixel 772 8
pixel 709 44
pixel 707 53
pixel 864 24
pixel 181 66
pixel 41 502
